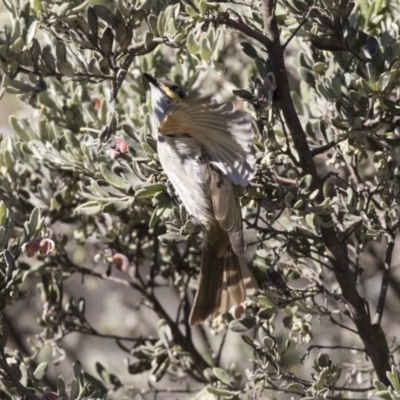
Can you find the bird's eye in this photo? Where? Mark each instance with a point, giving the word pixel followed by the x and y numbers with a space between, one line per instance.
pixel 177 90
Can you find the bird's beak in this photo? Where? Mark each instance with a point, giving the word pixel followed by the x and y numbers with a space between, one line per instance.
pixel 153 81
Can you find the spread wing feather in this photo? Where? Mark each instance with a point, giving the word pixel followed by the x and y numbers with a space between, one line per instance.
pixel 222 131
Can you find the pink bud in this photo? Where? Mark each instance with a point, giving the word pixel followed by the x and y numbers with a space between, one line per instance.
pixel 31 248
pixel 121 261
pixel 46 246
pixel 120 144
pixel 237 311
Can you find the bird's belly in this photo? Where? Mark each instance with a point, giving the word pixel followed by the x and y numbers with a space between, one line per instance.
pixel 182 161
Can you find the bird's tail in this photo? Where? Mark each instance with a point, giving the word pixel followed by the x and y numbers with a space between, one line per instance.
pixel 224 279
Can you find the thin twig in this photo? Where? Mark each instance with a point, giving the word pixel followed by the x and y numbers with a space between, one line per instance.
pixel 337 347
pixel 221 346
pixel 325 147
pixel 179 337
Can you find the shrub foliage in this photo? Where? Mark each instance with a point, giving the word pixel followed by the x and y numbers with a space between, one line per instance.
pixel 320 81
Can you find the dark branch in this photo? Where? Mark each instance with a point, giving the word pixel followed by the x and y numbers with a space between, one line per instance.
pixel 336 249
pixel 385 281
pixel 325 147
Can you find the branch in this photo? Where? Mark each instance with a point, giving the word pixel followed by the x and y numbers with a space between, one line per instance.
pixel 335 248
pixel 138 49
pixel 325 147
pixel 199 363
pixel 385 281
pixel 240 26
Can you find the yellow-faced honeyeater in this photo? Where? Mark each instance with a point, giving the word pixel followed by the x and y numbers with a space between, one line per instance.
pixel 205 150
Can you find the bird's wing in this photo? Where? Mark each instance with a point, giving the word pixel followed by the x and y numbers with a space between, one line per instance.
pixel 226 208
pixel 222 131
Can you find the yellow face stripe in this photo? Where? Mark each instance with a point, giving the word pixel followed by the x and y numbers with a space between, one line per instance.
pixel 169 92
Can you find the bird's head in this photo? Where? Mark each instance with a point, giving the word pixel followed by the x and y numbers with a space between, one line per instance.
pixel 163 92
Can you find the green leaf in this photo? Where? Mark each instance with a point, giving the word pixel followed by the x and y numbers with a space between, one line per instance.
pixel 307 76
pixel 61 389
pixel 111 177
pixel 249 50
pixel 191 43
pixel 40 371
pixel 205 49
pixel 74 393
pixel 191 11
pixel 78 372
pixel 3 336
pixel 18 128
pixel 3 213
pixel 296 387
pixel 220 392
pixel 222 376
pixel 34 221
pixel 242 325
pixel 89 208
pixel 305 183
pixel 393 377
pixel 149 190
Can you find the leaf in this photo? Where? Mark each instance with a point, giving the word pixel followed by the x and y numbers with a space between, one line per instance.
pixel 220 392
pixel 93 25
pixel 65 69
pixel 249 50
pixel 61 389
pixel 89 208
pixel 34 221
pixel 48 58
pixel 31 33
pixel 40 371
pixel 18 128
pixel 106 15
pixel 191 43
pixel 205 49
pixel 106 42
pixel 307 76
pixel 242 325
pixel 150 190
pixel 393 377
pixel 78 372
pixel 296 387
pixel 111 177
pixel 3 213
pixel 3 336
pixel 222 376
pixel 191 11
pixel 305 183
pixel 74 392
pixel 266 313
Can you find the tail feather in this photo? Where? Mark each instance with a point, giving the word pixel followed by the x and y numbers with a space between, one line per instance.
pixel 224 280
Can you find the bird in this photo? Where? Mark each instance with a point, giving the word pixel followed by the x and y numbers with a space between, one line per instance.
pixel 204 149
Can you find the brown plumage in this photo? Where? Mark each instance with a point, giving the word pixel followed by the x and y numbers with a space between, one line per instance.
pixel 224 278
pixel 204 148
